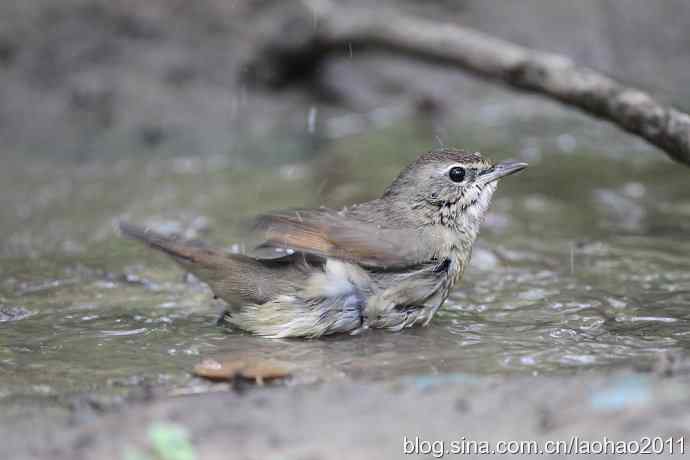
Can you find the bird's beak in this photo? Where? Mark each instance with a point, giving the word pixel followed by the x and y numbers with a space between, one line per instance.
pixel 502 169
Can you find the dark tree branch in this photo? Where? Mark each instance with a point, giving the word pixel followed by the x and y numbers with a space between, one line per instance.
pixel 328 29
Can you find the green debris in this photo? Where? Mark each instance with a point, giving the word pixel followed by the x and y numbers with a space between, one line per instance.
pixel 136 454
pixel 171 442
pixel 168 441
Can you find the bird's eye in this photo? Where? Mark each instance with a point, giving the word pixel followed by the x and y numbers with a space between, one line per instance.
pixel 457 174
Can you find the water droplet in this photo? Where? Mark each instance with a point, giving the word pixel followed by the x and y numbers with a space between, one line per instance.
pixel 566 143
pixel 634 190
pixel 311 119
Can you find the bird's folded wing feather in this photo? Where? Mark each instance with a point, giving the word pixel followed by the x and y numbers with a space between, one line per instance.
pixel 328 233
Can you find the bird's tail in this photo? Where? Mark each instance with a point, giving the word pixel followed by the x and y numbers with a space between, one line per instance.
pixel 225 273
pixel 236 278
pixel 183 251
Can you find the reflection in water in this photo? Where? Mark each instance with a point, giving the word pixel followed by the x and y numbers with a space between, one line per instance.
pixel 563 279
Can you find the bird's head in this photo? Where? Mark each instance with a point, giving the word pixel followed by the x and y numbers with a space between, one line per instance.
pixel 449 187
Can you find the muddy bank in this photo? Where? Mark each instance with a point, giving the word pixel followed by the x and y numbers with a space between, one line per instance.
pixel 358 420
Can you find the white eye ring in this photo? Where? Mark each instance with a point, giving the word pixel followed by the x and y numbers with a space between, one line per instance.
pixel 447 169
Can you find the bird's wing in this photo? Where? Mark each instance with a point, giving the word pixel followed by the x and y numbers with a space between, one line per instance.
pixel 327 233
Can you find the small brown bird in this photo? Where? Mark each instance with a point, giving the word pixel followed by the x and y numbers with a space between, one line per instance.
pixel 388 263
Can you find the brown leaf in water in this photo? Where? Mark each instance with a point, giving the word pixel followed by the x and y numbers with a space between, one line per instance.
pixel 215 370
pixel 263 370
pixel 256 370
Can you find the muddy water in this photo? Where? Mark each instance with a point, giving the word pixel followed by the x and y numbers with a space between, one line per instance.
pixel 584 262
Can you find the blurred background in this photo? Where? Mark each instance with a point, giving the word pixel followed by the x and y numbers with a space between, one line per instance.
pixel 88 78
pixel 145 110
